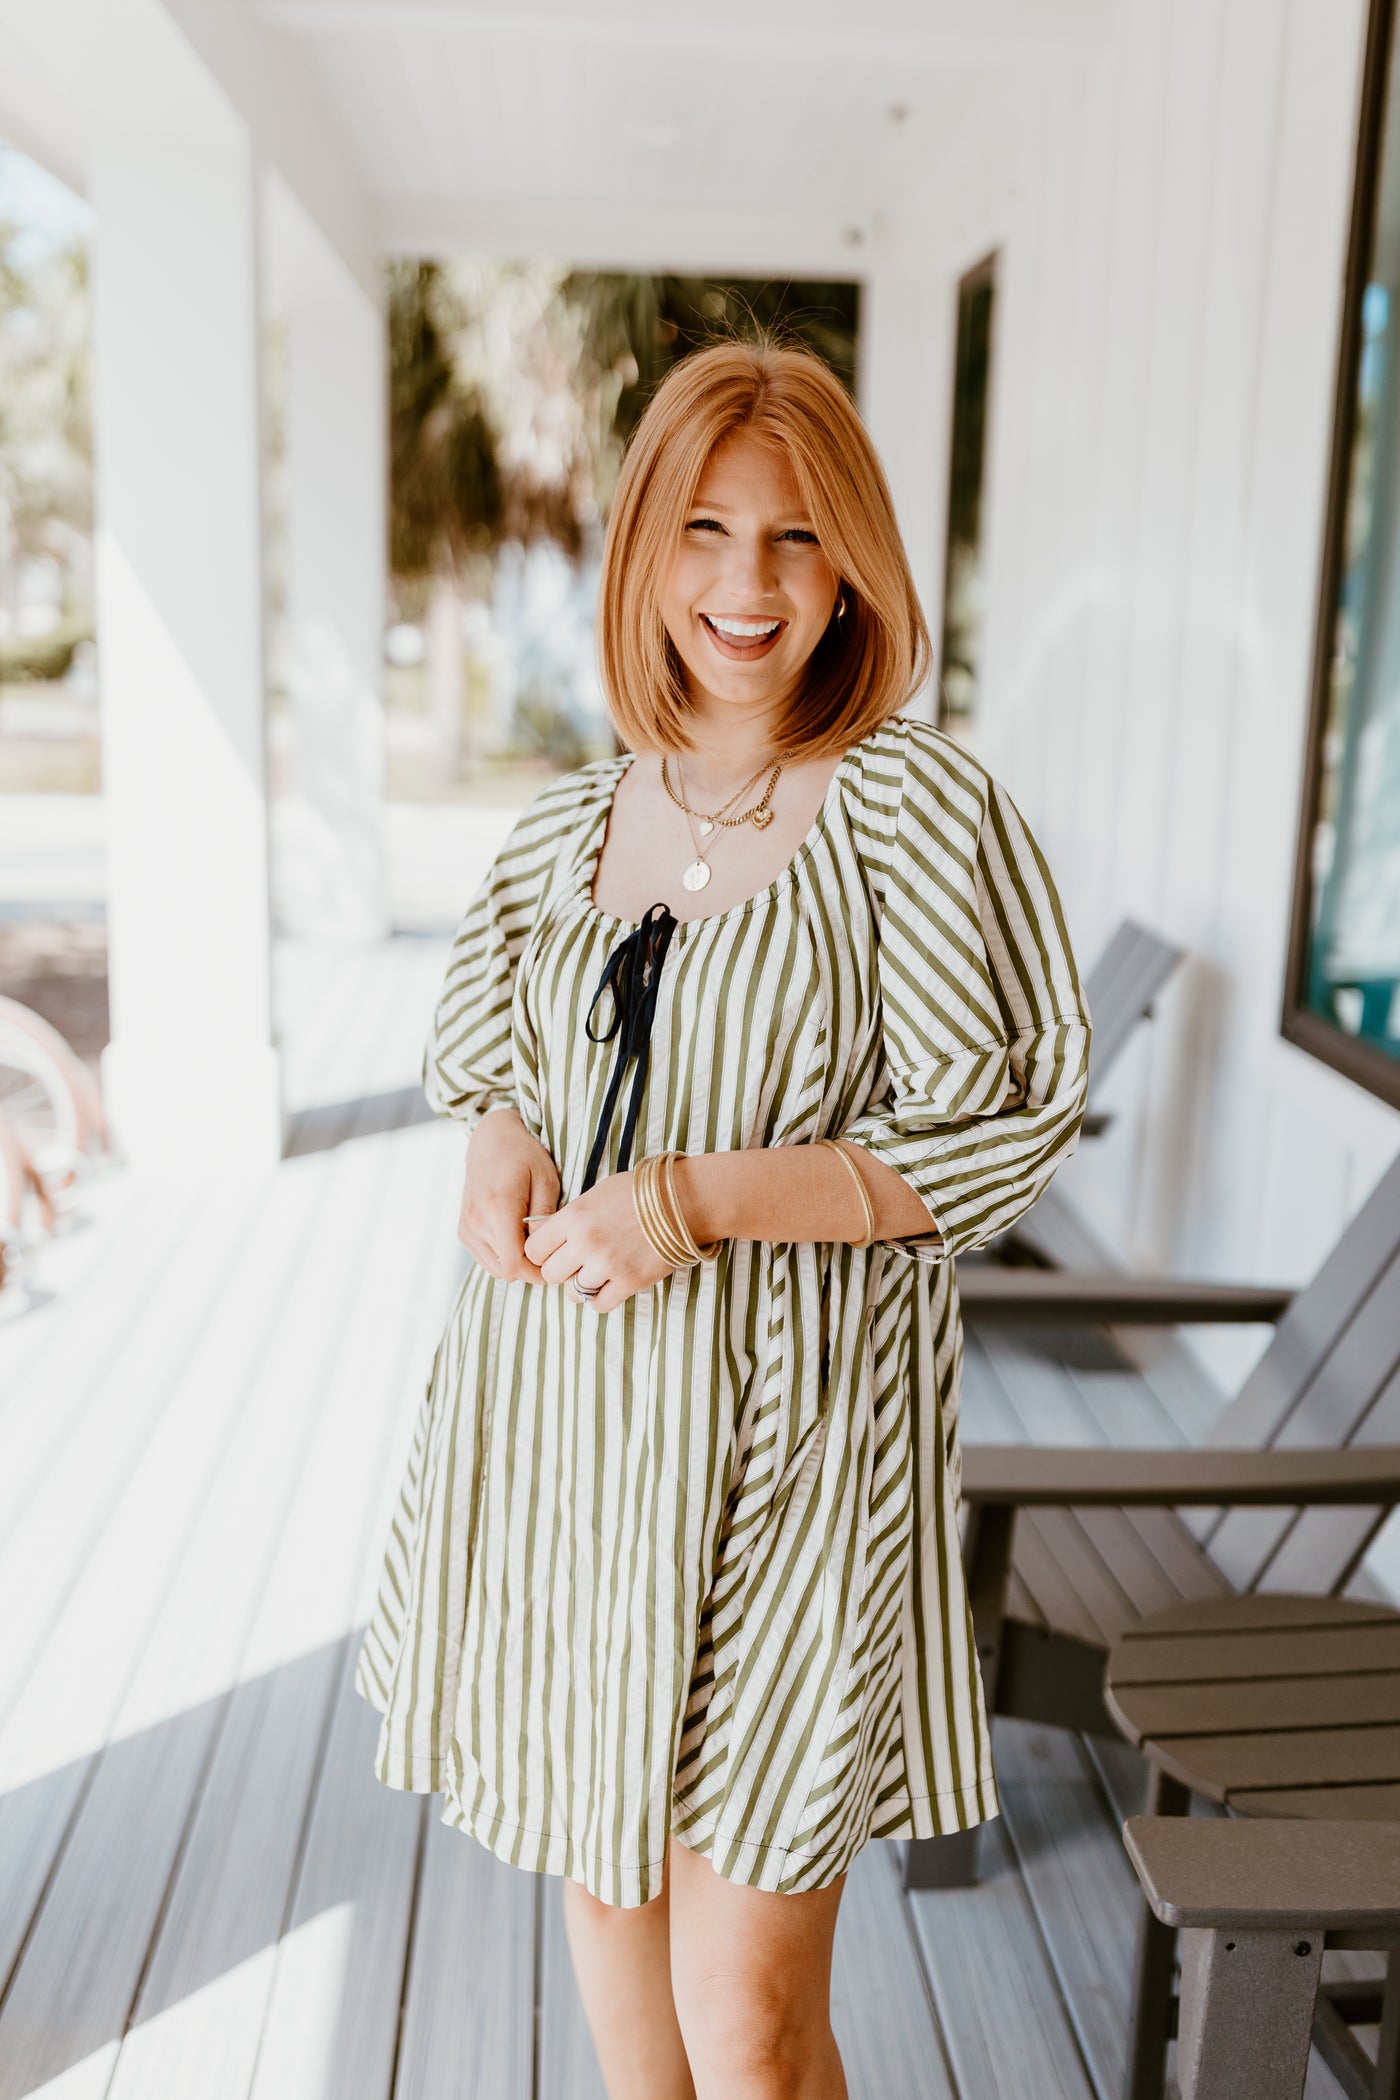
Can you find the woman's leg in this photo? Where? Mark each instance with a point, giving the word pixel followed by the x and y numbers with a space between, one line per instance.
pixel 622 1962
pixel 751 1979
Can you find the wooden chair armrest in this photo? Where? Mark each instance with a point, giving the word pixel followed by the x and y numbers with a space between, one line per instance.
pixel 1020 1475
pixel 992 1292
pixel 1263 1874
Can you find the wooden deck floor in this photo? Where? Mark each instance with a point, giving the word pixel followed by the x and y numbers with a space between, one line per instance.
pixel 204 1893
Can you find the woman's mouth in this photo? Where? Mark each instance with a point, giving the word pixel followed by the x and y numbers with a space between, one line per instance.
pixel 741 640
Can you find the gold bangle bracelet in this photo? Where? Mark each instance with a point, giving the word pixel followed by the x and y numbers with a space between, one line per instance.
pixel 650 1214
pixel 655 1219
pixel 660 1216
pixel 867 1207
pixel 677 1216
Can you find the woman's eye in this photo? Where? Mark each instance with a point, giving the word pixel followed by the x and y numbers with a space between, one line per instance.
pixel 800 533
pixel 704 525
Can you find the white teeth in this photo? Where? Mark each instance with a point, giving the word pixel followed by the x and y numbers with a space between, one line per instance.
pixel 745 630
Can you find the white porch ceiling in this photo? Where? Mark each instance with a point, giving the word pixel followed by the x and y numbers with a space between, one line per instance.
pixel 764 134
pixel 761 135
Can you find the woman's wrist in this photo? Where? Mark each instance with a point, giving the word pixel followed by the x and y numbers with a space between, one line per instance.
pixel 793 1192
pixel 704 1183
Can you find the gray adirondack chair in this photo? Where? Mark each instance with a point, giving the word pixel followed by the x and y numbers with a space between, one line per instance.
pixel 1256 1904
pixel 1067 1548
pixel 1122 988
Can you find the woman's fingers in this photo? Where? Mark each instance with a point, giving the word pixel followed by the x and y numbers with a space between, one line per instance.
pixel 543 1239
pixel 564 1262
pixel 610 1297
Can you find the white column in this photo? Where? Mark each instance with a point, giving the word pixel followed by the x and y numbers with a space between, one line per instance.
pixel 331 881
pixel 191 1073
pixel 907 319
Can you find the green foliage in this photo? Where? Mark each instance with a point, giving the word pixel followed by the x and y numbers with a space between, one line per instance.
pixel 637 327
pixel 45 411
pixel 444 481
pixel 33 658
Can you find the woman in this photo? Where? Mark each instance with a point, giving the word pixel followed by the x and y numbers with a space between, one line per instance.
pixel 675 1605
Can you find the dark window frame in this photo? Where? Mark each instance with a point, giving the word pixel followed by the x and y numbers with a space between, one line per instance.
pixel 985 271
pixel 1356 1059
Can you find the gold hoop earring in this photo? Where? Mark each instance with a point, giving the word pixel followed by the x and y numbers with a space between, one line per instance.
pixel 841 605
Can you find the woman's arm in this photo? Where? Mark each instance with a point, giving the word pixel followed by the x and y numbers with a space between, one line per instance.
pixel 795 1192
pixel 784 1192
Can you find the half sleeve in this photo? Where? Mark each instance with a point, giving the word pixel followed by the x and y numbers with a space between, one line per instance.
pixel 985 1026
pixel 468 1064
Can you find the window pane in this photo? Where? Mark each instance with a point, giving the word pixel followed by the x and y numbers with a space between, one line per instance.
pixel 1352 973
pixel 962 584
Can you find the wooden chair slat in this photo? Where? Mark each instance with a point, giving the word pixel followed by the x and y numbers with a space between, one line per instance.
pixel 1180 1556
pixel 1125 1553
pixel 1057 1606
pixel 1365 1804
pixel 1310 1329
pixel 1369 1754
pixel 1101 981
pixel 1326 1875
pixel 1321 1549
pixel 1020 1603
pixel 1284 1702
pixel 1121 988
pixel 1357 1389
pixel 1278 1652
pixel 1100 1596
pixel 1259 1612
pixel 1053 1476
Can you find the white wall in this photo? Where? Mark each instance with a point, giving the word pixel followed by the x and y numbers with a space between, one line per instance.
pixel 1173 247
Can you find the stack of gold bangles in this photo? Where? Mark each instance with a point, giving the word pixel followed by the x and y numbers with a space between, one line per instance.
pixel 867 1207
pixel 659 1214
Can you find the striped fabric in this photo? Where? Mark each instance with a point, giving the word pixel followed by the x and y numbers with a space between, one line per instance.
pixel 694 1565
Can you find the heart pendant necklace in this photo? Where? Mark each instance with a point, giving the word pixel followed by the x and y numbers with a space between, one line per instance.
pixel 760 815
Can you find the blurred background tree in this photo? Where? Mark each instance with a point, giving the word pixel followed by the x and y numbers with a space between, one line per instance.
pixel 635 328
pixel 45 455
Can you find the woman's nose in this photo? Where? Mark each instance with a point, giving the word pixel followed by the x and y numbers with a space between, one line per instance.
pixel 752 570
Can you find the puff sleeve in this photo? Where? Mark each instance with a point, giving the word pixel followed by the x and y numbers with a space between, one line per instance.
pixel 984 1023
pixel 468 1061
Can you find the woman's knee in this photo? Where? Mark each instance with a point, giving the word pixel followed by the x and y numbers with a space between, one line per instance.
pixel 748 2030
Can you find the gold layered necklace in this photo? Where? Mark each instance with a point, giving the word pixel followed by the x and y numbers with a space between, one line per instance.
pixel 759 814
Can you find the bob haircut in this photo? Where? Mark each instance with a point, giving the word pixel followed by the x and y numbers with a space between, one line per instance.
pixel 870 662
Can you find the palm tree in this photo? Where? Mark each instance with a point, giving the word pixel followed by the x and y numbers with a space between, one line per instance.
pixel 637 327
pixel 445 493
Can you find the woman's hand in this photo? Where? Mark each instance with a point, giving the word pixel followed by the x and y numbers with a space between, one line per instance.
pixel 598 1238
pixel 510 1177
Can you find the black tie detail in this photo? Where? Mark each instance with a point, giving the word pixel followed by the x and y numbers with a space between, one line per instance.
pixel 632 974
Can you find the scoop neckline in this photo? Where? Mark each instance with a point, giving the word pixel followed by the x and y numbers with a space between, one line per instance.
pixel 780 881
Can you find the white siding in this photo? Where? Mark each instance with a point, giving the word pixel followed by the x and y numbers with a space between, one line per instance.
pixel 1172 258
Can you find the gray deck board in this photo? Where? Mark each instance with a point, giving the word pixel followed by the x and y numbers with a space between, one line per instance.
pixel 204 1996
pixel 568 2063
pixel 882 2008
pixel 1005 2024
pixel 469 2006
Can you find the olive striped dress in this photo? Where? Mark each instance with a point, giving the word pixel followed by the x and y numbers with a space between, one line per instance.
pixel 694 1565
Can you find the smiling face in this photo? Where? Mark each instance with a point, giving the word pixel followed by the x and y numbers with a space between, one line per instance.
pixel 750 592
